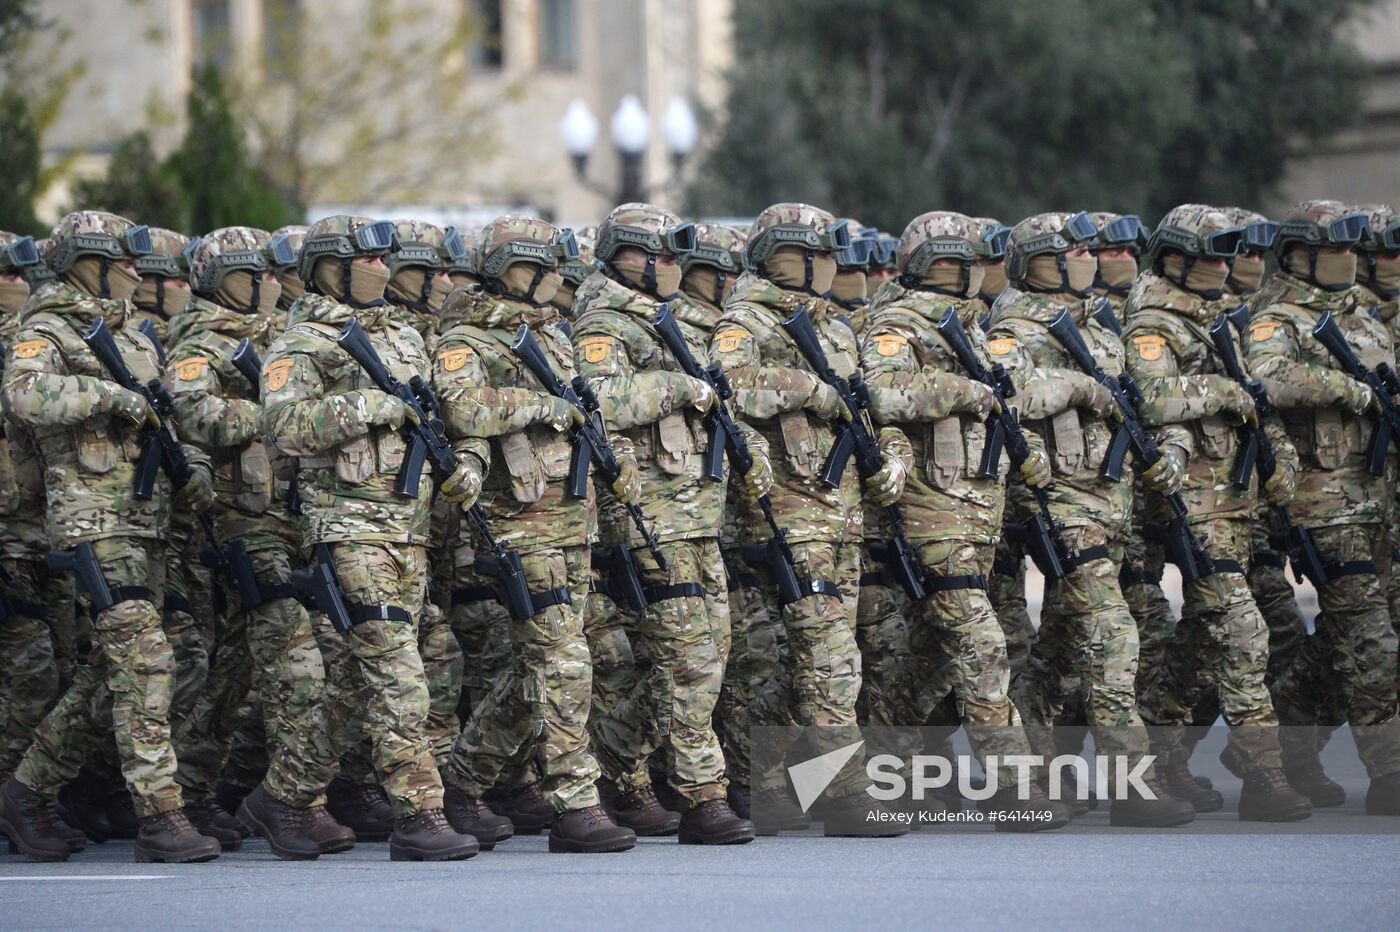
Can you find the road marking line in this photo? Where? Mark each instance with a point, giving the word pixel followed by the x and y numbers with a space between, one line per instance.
pixel 94 877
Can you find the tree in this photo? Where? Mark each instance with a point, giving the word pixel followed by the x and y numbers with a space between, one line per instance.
pixel 221 185
pixel 880 109
pixel 19 166
pixel 138 184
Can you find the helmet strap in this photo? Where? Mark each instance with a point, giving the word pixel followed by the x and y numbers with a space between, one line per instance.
pixel 721 278
pixel 106 290
pixel 160 298
pixel 256 298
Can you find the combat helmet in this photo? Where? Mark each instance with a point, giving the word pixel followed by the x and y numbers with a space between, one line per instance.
pixel 222 252
pixel 721 248
pixel 284 247
pixel 516 238
pixel 654 230
pixel 343 237
pixel 1052 234
pixel 1382 236
pixel 20 255
pixel 95 233
pixel 1318 223
pixel 941 234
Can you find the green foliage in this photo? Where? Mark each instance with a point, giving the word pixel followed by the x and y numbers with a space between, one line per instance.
pixel 881 109
pixel 19 166
pixel 137 185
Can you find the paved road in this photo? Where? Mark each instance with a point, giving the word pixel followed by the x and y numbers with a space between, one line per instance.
pixel 971 880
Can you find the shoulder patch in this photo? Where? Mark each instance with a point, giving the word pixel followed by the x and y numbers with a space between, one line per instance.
pixel 277 373
pixel 30 348
pixel 1263 330
pixel 1149 347
pixel 1001 345
pixel 595 349
pixel 727 341
pixel 190 369
pixel 889 344
pixel 455 358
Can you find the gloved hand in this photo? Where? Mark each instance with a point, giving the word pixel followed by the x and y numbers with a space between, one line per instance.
pixel 824 402
pixel 1101 403
pixel 1164 476
pixel 702 397
pixel 132 406
pixel 972 398
pixel 887 485
pixel 464 485
pixel 628 485
pixel 1035 471
pixel 1236 404
pixel 379 408
pixel 562 415
pixel 759 479
pixel 197 495
pixel 1281 485
pixel 1356 397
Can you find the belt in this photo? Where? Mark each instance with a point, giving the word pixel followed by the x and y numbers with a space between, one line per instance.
pixel 178 603
pixel 1349 568
pixel 122 594
pixel 686 590
pixel 949 583
pixel 362 612
pixel 875 578
pixel 473 594
pixel 1133 576
pixel 808 587
pixel 1087 555
pixel 1267 558
pixel 544 599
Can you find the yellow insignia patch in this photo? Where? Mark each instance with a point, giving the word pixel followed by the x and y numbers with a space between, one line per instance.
pixel 595 349
pixel 727 341
pixel 277 374
pixel 1150 347
pixel 1001 345
pixel 888 344
pixel 1263 330
pixel 30 348
pixel 452 360
pixel 190 369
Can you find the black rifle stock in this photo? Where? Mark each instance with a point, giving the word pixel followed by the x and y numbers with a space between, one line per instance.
pixel 590 442
pixel 1042 535
pixel 725 438
pixel 81 561
pixel 1183 547
pixel 148 329
pixel 503 565
pixel 1103 313
pixel 1382 381
pixel 619 570
pixel 319 589
pixel 249 364
pixel 853 438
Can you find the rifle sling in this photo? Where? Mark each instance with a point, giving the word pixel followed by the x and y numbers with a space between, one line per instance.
pixel 809 587
pixel 122 594
pixel 1336 569
pixel 1267 558
pixel 1085 556
pixel 361 612
pixel 950 583
pixel 686 590
pixel 470 595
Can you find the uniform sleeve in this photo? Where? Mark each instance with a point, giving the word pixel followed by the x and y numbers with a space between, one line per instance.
pixel 900 389
pixel 38 393
pixel 1273 355
pixel 1284 452
pixel 894 442
pixel 471 406
pixel 760 392
pixel 206 417
pixel 1153 359
pixel 629 397
pixel 1041 391
pixel 298 416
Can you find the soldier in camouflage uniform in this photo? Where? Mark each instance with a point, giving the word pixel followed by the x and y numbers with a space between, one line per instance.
pixel 884 263
pixel 542 700
pixel 1221 642
pixel 30 680
pixel 791 264
pixel 319 406
pixel 654 411
pixel 85 426
pixel 1330 418
pixel 267 643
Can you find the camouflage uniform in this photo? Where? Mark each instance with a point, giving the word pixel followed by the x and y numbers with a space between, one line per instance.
pixel 321 407
pixel 1337 498
pixel 55 386
pixel 541 702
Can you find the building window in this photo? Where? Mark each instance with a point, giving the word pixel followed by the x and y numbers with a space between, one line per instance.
pixel 484 39
pixel 281 28
pixel 557 34
pixel 213 44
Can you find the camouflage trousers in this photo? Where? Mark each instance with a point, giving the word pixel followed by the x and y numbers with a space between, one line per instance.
pixel 377 689
pixel 616 666
pixel 1006 588
pixel 541 702
pixel 30 680
pixel 823 661
pixel 248 758
pixel 757 645
pixel 1140 580
pixel 1221 641
pixel 1087 647
pixel 1273 593
pixel 189 617
pixel 482 628
pixel 882 634
pixel 684 639
pixel 1352 654
pixel 125 691
pixel 444 667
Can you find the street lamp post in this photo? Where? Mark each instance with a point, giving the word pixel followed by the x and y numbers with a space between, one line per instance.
pixel 630 130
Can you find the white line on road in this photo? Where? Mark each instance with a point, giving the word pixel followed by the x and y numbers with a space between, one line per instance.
pixel 93 877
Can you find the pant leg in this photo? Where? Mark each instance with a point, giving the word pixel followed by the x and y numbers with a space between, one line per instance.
pixel 754 661
pixel 443 665
pixel 1006 588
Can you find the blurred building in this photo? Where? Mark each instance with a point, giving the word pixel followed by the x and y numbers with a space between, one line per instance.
pixel 530 58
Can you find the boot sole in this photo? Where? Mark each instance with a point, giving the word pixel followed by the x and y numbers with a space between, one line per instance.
pixel 1327 800
pixel 406 853
pixel 246 814
pixel 1160 822
pixel 564 846
pixel 1207 807
pixel 654 832
pixel 1289 815
pixel 738 836
pixel 372 836
pixel 1377 809
pixel 34 854
pixel 149 856
pixel 338 848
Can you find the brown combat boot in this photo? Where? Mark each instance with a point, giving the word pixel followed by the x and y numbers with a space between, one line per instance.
pixel 83 803
pixel 224 818
pixel 1383 795
pixel 738 796
pixel 529 812
pixel 361 807
pixel 640 811
pixel 1310 780
pixel 589 831
pixel 1137 811
pixel 428 836
pixel 714 823
pixel 169 838
pixel 330 836
pixel 774 810
pixel 1036 813
pixel 1267 797
pixel 27 821
pixel 470 816
pixel 203 821
pixel 286 829
pixel 1178 780
pixel 121 814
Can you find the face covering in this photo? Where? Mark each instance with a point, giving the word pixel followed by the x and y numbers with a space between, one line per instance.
pixel 86 274
pixel 1385 275
pixel 1204 280
pixel 993 279
pixel 948 279
pixel 236 292
pixel 788 267
pixel 1246 273
pixel 848 287
pixel 564 297
pixel 407 287
pixel 1334 271
pixel 162 296
pixel 366 281
pixel 1117 272
pixel 520 277
pixel 13 294
pixel 668 277
pixel 703 284
pixel 1043 273
pixel 292 287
